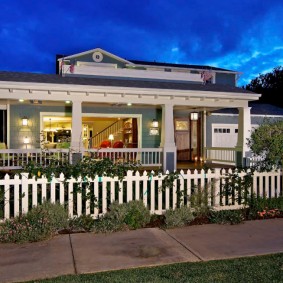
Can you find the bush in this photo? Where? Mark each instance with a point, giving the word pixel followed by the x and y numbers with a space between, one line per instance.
pixel 179 217
pixel 132 215
pixel 227 216
pixel 83 222
pixel 137 215
pixel 256 205
pixel 39 223
pixel 199 202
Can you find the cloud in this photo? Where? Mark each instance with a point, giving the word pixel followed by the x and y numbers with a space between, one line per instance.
pixel 240 35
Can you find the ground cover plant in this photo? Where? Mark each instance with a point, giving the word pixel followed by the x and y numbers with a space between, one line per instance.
pixel 40 223
pixel 268 268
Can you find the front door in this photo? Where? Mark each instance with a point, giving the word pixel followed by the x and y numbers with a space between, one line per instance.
pixel 183 146
pixel 187 139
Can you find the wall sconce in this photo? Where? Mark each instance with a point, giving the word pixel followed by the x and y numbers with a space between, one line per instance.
pixel 194 116
pixel 24 121
pixel 154 123
pixel 26 141
pixel 154 130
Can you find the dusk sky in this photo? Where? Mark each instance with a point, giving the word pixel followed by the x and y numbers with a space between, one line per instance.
pixel 241 35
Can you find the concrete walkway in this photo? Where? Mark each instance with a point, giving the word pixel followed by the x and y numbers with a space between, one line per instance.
pixel 90 253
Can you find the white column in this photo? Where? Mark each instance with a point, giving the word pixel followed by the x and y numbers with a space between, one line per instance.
pixel 244 133
pixel 76 140
pixel 167 138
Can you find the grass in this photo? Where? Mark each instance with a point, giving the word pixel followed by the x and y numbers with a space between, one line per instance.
pixel 259 269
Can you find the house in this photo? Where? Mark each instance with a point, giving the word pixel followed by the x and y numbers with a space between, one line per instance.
pixel 158 110
pixel 222 125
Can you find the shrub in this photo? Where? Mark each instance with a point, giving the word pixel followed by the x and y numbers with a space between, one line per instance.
pixel 178 217
pixel 83 222
pixel 261 204
pixel 199 202
pixel 227 216
pixel 137 215
pixel 39 223
pixel 113 220
pixel 120 217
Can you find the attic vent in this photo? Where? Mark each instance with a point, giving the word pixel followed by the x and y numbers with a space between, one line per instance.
pixel 97 56
pixel 167 70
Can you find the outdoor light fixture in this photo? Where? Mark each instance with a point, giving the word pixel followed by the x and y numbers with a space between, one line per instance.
pixel 24 121
pixel 194 116
pixel 154 123
pixel 154 130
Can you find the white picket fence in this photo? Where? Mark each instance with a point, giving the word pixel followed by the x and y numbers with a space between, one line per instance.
pixel 20 194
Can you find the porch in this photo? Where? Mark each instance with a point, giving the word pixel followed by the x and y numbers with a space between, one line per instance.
pixel 148 158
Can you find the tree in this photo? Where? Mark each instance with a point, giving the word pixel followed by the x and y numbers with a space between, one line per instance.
pixel 266 144
pixel 270 86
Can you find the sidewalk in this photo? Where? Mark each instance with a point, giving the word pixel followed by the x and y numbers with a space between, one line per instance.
pixel 90 253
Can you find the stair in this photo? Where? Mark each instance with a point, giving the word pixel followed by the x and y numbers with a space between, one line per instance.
pixel 115 129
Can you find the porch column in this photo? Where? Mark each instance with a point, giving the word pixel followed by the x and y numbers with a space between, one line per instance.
pixel 167 139
pixel 244 133
pixel 76 140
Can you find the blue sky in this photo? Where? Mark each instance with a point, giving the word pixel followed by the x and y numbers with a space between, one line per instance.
pixel 242 35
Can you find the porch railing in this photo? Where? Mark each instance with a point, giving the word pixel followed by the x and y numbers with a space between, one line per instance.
pixel 18 158
pixel 224 155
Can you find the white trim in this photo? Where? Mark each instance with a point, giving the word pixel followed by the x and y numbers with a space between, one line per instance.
pixel 8 125
pixel 205 68
pixel 3 106
pixel 252 115
pixel 97 50
pixel 106 94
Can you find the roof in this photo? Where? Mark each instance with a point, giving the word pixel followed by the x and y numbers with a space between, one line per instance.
pixel 256 109
pixel 98 81
pixel 187 66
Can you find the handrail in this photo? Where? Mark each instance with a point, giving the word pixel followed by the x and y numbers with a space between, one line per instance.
pixel 104 134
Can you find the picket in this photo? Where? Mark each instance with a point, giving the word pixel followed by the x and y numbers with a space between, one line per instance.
pixel 21 192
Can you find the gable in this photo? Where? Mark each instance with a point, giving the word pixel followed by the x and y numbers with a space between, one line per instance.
pixel 96 56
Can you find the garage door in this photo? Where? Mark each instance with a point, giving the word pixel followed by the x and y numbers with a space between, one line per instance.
pixel 224 135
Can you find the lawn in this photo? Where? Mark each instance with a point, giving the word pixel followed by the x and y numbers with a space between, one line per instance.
pixel 258 269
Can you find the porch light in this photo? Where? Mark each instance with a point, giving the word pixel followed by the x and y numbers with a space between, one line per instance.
pixel 154 123
pixel 194 116
pixel 24 121
pixel 154 130
pixel 68 102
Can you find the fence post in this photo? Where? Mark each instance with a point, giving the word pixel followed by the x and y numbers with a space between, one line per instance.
pixel 24 192
pixel 7 197
pixel 216 191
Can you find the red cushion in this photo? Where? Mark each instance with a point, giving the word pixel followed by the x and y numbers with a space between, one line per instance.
pixel 118 144
pixel 105 144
